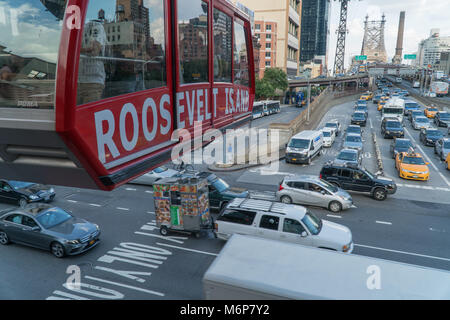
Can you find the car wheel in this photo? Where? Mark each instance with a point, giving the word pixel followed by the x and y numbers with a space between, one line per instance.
pixel 286 199
pixel 164 231
pixel 23 202
pixel 57 250
pixel 4 240
pixel 335 206
pixel 379 194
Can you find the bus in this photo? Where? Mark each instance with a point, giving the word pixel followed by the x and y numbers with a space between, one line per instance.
pixel 96 93
pixel 258 109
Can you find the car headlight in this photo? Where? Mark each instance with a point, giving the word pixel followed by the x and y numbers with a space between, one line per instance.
pixel 346 247
pixel 96 226
pixel 33 197
pixel 72 242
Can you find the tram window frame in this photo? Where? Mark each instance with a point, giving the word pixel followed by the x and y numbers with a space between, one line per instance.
pixel 141 78
pixel 231 31
pixel 180 76
pixel 238 81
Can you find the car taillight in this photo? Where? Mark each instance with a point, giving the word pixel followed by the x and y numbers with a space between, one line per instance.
pixel 281 188
pixel 216 227
pixel 320 176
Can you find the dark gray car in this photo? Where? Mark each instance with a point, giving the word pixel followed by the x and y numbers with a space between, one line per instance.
pixel 47 227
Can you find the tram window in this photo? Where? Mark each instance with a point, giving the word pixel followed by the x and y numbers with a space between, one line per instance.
pixel 134 59
pixel 223 25
pixel 193 40
pixel 241 75
pixel 29 42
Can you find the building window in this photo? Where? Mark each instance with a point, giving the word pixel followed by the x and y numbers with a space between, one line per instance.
pixel 267 54
pixel 223 28
pixel 268 36
pixel 268 45
pixel 269 27
pixel 257 27
pixel 267 63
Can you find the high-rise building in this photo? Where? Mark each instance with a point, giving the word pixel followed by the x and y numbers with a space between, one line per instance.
pixel 315 29
pixel 266 32
pixel 430 49
pixel 286 15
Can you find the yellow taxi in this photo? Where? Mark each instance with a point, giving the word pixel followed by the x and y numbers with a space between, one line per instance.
pixel 447 161
pixel 364 97
pixel 381 104
pixel 430 112
pixel 410 165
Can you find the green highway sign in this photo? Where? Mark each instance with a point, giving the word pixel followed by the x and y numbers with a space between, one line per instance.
pixel 360 58
pixel 410 56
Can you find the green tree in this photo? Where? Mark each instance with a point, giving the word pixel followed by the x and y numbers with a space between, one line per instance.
pixel 263 89
pixel 277 77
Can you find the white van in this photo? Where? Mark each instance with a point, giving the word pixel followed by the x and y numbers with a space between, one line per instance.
pixel 304 146
pixel 282 222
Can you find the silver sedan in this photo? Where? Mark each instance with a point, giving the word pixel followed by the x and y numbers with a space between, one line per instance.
pixel 151 177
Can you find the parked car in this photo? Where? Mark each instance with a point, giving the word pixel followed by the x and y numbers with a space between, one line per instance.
pixel 310 190
pixel 420 122
pixel 282 222
pixel 442 119
pixel 329 136
pixel 151 177
pixel 334 124
pixel 359 118
pixel 400 145
pixel 22 193
pixel 355 129
pixel 358 179
pixel 353 141
pixel 47 227
pixel 392 128
pixel 304 146
pixel 442 148
pixel 348 156
pixel 429 136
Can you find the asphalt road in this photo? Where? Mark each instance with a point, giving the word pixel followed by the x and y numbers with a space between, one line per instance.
pixel 134 262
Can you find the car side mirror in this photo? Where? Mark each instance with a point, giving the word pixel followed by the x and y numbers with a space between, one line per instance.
pixel 304 234
pixel 36 229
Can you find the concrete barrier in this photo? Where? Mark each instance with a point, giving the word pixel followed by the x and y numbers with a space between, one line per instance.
pixel 378 154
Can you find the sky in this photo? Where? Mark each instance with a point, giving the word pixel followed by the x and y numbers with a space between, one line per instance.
pixel 421 17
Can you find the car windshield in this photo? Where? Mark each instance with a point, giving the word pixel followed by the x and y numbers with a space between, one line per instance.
pixel 160 169
pixel 313 223
pixel 434 133
pixel 358 115
pixel 403 144
pixel 353 139
pixel 411 105
pixel 327 185
pixel 421 119
pixel 53 217
pixel 299 143
pixel 432 109
pixel 444 115
pixel 220 185
pixel 326 133
pixel 417 113
pixel 19 184
pixel 354 130
pixel 331 125
pixel 370 175
pixel 393 124
pixel 413 160
pixel 347 156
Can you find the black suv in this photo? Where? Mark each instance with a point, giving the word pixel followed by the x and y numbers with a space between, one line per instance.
pixel 429 136
pixel 355 178
pixel 392 128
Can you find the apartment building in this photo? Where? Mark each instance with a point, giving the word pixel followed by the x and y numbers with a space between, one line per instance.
pixel 285 14
pixel 266 33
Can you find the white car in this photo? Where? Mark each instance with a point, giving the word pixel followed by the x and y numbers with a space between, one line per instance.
pixel 420 122
pixel 416 84
pixel 329 135
pixel 282 222
pixel 156 174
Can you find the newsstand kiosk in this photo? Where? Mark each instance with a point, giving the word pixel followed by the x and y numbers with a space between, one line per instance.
pixel 182 204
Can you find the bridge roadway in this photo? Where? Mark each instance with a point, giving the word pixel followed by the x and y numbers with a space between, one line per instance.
pixel 326 81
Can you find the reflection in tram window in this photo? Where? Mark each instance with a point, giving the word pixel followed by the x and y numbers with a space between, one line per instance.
pixel 241 75
pixel 29 41
pixel 123 49
pixel 193 40
pixel 223 53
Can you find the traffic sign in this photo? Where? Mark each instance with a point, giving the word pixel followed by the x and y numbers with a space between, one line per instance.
pixel 410 57
pixel 360 58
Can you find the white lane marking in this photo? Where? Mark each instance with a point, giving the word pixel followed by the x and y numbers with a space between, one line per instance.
pixel 403 252
pixel 124 209
pixel 95 205
pixel 429 160
pixel 186 249
pixel 73 201
pixel 333 216
pixel 151 212
pixel 130 189
pixel 383 222
pixel 126 286
pixel 148 191
pixel 370 121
